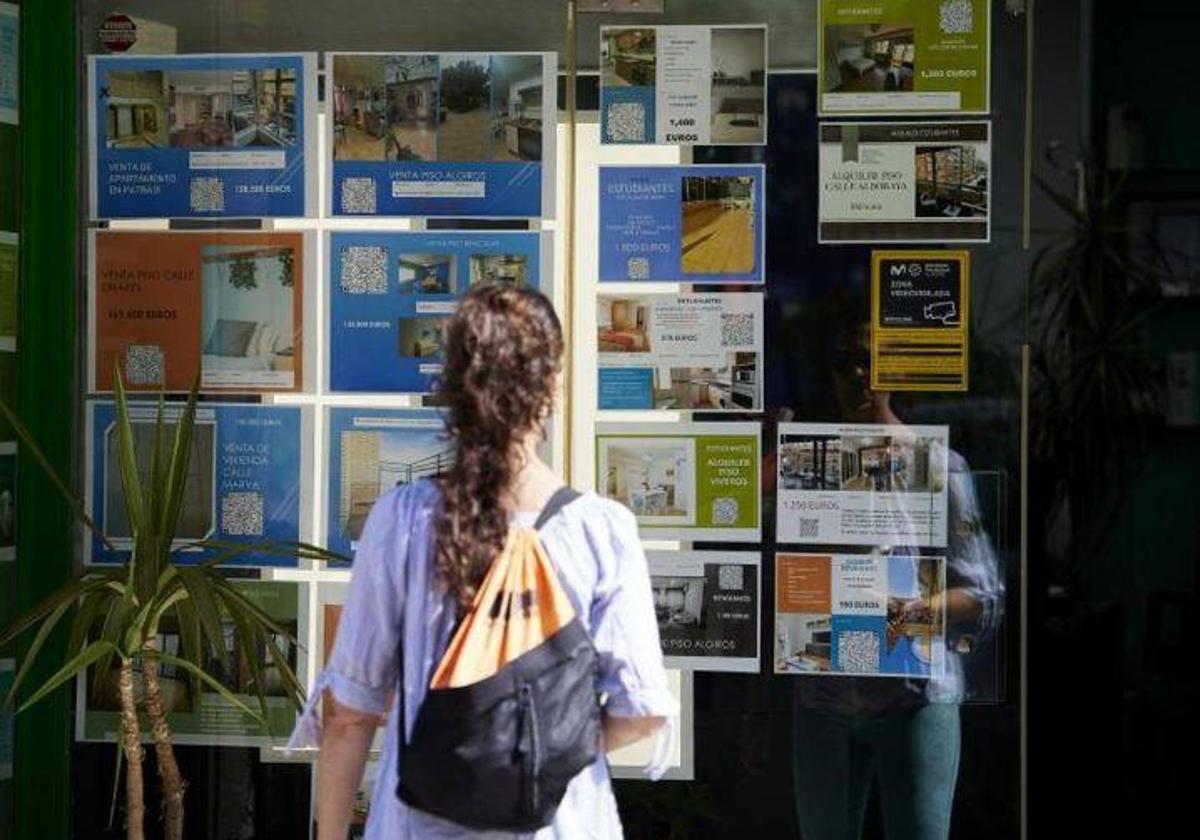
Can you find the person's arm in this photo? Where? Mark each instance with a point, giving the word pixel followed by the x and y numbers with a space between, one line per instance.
pixel 625 632
pixel 345 743
pixel 623 731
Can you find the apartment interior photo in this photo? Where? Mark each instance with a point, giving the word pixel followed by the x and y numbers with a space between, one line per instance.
pixel 869 58
pixel 622 325
pixel 651 480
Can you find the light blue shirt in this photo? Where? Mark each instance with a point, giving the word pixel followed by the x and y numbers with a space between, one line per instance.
pixel 395 597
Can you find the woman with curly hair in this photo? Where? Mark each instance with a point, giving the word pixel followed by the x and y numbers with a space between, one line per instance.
pixel 425 550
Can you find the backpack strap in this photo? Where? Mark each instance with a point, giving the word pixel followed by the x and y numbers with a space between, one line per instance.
pixel 562 497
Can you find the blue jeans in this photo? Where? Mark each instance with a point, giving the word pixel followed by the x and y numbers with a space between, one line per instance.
pixel 912 754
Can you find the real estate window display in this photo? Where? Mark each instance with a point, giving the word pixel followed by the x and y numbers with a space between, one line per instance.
pixel 731 710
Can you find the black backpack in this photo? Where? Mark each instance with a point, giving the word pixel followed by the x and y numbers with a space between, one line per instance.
pixel 498 754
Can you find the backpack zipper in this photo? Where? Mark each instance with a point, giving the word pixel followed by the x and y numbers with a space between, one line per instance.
pixel 530 759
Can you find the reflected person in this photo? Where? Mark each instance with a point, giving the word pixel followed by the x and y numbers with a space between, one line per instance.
pixel 900 734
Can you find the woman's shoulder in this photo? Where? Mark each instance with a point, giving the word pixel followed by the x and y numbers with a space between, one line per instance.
pixel 407 503
pixel 598 517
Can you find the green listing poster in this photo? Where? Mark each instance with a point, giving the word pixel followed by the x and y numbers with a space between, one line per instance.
pixel 904 56
pixel 203 716
pixel 8 292
pixel 699 481
pixel 8 500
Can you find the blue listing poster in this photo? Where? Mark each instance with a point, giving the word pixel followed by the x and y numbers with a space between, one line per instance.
pixel 390 293
pixel 10 64
pixel 203 136
pixel 682 224
pixel 442 134
pixel 371 451
pixel 244 479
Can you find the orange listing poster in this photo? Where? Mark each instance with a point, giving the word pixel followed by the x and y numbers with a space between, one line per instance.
pixel 168 305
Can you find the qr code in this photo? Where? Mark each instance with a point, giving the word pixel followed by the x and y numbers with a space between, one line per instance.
pixel 364 270
pixel 144 364
pixel 808 527
pixel 358 195
pixel 956 17
pixel 737 329
pixel 626 122
pixel 725 511
pixel 858 652
pixel 208 195
pixel 731 578
pixel 242 514
pixel 638 268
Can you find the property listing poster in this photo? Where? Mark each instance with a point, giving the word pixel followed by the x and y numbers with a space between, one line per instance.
pixel 8 669
pixel 905 182
pixel 390 293
pixel 370 452
pixel 8 501
pixel 630 761
pixel 9 267
pixel 686 481
pixel 683 84
pixel 920 318
pixel 682 224
pixel 229 306
pixel 442 134
pixel 860 614
pixel 707 606
pixel 203 136
pixel 904 56
pixel 700 352
pixel 245 481
pixel 10 63
pixel 862 484
pixel 197 714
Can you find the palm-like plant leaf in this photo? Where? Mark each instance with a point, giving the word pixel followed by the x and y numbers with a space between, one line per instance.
pixel 79 663
pixel 216 686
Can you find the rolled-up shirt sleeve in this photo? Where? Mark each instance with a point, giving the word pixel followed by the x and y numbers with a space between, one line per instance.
pixel 363 666
pixel 972 565
pixel 623 624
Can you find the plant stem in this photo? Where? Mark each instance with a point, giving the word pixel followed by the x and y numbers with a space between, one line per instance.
pixel 168 768
pixel 135 798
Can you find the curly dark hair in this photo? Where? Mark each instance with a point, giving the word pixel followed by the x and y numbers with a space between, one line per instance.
pixel 503 354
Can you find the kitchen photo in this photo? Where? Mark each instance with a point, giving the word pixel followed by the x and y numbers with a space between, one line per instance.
pixel 232 108
pixel 653 477
pixel 726 388
pixel 718 219
pixel 627 57
pixel 738 93
pixel 504 269
pixel 516 102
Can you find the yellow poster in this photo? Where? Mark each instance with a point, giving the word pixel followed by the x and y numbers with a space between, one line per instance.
pixel 919 320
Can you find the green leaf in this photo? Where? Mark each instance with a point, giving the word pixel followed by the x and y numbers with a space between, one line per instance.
pixel 113 631
pixel 30 443
pixel 181 456
pixel 90 607
pixel 200 593
pixel 68 592
pixel 194 648
pixel 199 674
pixel 249 638
pixel 155 492
pixel 78 664
pixel 35 647
pixel 131 481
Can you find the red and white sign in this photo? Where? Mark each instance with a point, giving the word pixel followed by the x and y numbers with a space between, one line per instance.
pixel 118 33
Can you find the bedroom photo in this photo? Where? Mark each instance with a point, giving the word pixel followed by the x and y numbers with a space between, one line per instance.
pixel 869 58
pixel 622 325
pixel 249 329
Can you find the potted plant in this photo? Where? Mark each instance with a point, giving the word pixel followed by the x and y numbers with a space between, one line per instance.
pixel 116 614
